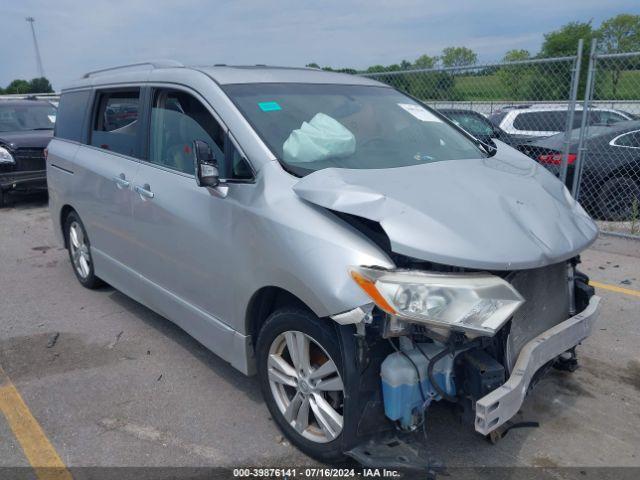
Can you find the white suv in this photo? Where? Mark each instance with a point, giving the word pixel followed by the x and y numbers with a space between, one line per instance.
pixel 546 120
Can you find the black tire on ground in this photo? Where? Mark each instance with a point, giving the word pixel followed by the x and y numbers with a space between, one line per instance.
pixel 3 198
pixel 616 198
pixel 322 332
pixel 90 281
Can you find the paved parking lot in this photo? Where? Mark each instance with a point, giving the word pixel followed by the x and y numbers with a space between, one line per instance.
pixel 111 383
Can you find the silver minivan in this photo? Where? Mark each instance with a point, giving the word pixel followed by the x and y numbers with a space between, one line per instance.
pixel 356 250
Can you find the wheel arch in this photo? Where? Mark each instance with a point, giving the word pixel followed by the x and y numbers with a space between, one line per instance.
pixel 264 302
pixel 64 213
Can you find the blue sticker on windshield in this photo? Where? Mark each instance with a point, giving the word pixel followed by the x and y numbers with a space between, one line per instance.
pixel 269 106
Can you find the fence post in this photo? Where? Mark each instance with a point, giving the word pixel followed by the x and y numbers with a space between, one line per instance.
pixel 584 125
pixel 573 97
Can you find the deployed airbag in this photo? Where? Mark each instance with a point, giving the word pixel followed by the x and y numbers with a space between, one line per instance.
pixel 321 138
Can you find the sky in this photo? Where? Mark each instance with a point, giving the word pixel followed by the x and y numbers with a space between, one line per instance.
pixel 78 36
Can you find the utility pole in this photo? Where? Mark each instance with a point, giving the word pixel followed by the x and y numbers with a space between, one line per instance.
pixel 31 20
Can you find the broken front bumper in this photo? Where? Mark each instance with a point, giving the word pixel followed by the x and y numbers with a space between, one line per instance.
pixel 500 405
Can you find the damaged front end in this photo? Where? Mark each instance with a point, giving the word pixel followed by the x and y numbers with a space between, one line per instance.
pixel 477 339
pixel 484 296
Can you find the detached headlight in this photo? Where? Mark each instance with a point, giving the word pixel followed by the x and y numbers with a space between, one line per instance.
pixel 5 156
pixel 473 302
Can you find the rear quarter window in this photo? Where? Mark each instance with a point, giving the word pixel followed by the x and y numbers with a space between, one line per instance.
pixel 71 114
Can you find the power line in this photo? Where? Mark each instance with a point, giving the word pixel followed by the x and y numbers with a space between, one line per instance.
pixel 31 21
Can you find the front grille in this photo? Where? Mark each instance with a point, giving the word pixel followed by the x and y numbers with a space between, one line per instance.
pixel 28 159
pixel 546 291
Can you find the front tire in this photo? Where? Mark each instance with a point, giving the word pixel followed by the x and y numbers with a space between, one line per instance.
pixel 300 372
pixel 79 249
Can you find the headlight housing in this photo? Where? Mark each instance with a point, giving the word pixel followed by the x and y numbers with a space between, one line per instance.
pixel 469 302
pixel 6 157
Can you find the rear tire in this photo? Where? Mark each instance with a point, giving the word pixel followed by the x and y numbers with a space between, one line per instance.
pixel 305 395
pixel 79 249
pixel 616 197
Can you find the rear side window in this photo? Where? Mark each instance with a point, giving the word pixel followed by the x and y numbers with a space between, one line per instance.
pixel 115 122
pixel 548 121
pixel 71 113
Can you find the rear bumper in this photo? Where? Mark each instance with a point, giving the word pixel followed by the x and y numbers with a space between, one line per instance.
pixel 33 180
pixel 500 405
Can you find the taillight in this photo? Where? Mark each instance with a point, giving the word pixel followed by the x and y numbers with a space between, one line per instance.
pixel 556 158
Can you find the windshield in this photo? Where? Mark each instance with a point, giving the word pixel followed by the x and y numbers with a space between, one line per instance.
pixel 310 127
pixel 473 123
pixel 21 117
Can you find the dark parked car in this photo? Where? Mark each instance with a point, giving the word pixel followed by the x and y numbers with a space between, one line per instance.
pixel 26 127
pixel 611 173
pixel 477 125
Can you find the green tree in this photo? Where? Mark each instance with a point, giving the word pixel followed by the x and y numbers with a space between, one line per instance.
pixel 620 34
pixel 40 85
pixel 425 61
pixel 312 65
pixel 564 41
pixel 376 69
pixel 351 71
pixel 516 55
pixel 617 35
pixel 458 57
pixel 515 78
pixel 553 80
pixel 18 86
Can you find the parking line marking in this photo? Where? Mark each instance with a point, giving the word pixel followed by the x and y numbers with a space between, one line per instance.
pixel 36 446
pixel 613 288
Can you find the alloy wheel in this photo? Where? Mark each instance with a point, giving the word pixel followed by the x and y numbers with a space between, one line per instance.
pixel 306 386
pixel 79 250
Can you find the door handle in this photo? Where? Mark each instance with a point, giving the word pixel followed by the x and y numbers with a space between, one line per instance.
pixel 144 190
pixel 121 181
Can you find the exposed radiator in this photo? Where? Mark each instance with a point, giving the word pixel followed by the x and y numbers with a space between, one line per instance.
pixel 546 291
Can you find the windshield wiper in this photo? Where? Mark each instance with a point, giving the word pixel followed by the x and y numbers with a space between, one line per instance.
pixel 42 128
pixel 489 149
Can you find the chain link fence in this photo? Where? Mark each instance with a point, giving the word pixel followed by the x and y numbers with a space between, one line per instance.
pixel 610 168
pixel 582 122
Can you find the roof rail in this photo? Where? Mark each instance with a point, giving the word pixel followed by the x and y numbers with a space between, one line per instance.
pixel 154 64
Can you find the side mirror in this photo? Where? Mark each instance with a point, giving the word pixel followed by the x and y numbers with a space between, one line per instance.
pixel 206 167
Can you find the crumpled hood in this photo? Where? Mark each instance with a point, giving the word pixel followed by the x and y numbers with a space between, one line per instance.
pixel 500 213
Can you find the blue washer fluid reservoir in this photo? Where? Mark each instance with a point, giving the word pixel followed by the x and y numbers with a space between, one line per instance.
pixel 400 384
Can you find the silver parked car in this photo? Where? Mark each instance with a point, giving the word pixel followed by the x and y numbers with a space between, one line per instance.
pixel 354 248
